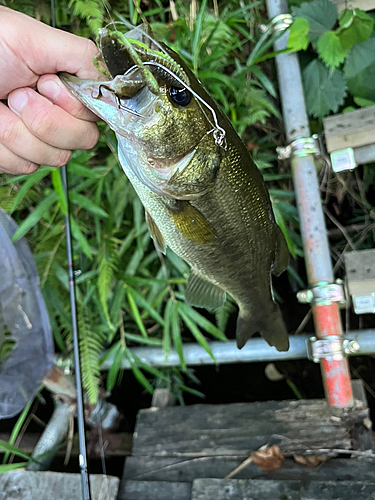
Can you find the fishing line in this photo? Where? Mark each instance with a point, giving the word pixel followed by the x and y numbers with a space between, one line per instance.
pixel 86 492
pixel 218 132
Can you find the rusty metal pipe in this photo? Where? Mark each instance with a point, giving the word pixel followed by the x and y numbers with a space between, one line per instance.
pixel 314 235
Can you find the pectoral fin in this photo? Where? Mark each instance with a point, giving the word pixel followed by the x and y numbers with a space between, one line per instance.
pixel 156 235
pixel 191 223
pixel 202 293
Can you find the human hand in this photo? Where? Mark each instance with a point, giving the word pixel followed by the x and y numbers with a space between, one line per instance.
pixel 41 122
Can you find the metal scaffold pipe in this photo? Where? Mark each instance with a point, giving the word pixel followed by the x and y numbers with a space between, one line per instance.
pixel 327 320
pixel 361 342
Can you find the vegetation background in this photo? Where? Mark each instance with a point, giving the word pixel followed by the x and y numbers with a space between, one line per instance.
pixel 127 294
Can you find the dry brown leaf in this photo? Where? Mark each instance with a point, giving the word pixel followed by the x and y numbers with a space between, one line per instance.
pixel 268 458
pixel 310 460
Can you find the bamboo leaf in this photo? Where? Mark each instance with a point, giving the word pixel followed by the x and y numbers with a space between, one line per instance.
pixel 167 328
pixel 135 313
pixel 15 466
pixel 87 204
pixel 146 305
pixel 10 448
pixel 203 322
pixel 199 337
pixel 115 367
pixel 59 188
pixel 176 334
pixel 34 217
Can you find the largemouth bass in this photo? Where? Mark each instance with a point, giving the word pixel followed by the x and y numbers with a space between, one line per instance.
pixel 204 197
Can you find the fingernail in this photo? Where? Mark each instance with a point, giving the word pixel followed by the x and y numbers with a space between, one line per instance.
pixel 18 100
pixel 50 89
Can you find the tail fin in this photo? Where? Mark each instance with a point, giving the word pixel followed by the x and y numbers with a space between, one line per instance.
pixel 267 321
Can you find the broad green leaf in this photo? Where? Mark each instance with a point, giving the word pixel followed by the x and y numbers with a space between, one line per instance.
pixel 324 91
pixel 361 57
pixel 363 103
pixel 299 34
pixel 320 14
pixel 35 216
pixel 330 49
pixel 360 70
pixel 137 372
pixel 355 27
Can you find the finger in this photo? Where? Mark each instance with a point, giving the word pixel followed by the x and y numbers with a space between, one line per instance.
pixel 49 50
pixel 51 87
pixel 15 136
pixel 11 163
pixel 50 123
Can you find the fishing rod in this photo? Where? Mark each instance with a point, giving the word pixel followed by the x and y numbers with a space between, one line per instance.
pixel 86 491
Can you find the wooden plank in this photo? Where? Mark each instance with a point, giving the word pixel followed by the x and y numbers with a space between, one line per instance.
pixel 154 490
pixel 175 469
pixel 350 130
pixel 354 4
pixel 251 489
pixel 239 429
pixel 257 489
pixel 22 485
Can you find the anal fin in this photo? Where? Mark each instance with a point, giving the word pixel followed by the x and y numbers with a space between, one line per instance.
pixel 156 235
pixel 202 293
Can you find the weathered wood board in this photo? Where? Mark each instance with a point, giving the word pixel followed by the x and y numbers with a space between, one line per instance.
pixel 154 490
pixel 239 429
pixel 256 489
pixel 354 4
pixel 25 485
pixel 176 469
pixel 350 130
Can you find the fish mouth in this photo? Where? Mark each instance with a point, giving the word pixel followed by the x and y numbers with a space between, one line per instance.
pixel 119 113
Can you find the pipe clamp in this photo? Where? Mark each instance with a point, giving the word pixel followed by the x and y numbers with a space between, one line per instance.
pixel 331 348
pixel 304 146
pixel 323 293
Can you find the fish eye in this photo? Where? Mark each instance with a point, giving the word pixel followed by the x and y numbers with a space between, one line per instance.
pixel 181 97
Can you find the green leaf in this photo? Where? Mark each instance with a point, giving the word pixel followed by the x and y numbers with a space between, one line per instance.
pixel 299 34
pixel 135 313
pixel 35 216
pixel 140 299
pixel 320 14
pixel 15 466
pixel 196 333
pixel 360 70
pixel 330 49
pixel 142 340
pixel 324 91
pixel 361 57
pixel 137 372
pixel 29 183
pixel 167 328
pixel 115 367
pixel 59 188
pixel 203 322
pixel 17 428
pixel 176 334
pixel 80 237
pixel 355 27
pixel 13 449
pixel 363 103
pixel 87 204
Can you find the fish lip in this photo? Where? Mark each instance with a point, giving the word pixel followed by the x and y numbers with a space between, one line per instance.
pixel 108 106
